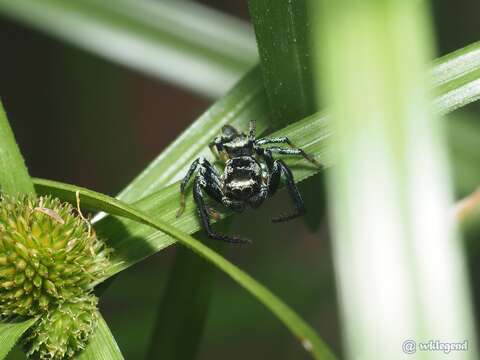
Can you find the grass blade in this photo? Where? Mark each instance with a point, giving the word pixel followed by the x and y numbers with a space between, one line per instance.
pixel 10 334
pixel 102 345
pixel 164 203
pixel 179 41
pixel 14 176
pixel 99 202
pixel 389 187
pixel 248 100
pixel 282 30
pixel 252 100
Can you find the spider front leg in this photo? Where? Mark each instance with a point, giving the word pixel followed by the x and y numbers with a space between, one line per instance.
pixel 207 170
pixel 200 184
pixel 183 185
pixel 258 199
pixel 293 151
pixel 279 168
pixel 252 130
pixel 216 148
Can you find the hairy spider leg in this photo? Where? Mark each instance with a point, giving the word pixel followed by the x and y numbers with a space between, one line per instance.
pixel 278 168
pixel 206 169
pixel 198 196
pixel 286 140
pixel 216 147
pixel 183 185
pixel 252 130
pixel 208 179
pixel 257 200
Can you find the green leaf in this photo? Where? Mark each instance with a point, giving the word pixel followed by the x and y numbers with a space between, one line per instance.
pixel 164 203
pixel 182 42
pixel 102 344
pixel 14 176
pixel 133 241
pixel 456 78
pixel 99 202
pixel 395 249
pixel 10 334
pixel 282 29
pixel 246 101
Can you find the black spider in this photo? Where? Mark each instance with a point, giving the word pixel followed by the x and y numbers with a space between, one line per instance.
pixel 250 175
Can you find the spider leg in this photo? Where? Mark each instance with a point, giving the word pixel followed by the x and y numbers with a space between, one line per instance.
pixel 183 185
pixel 257 200
pixel 198 196
pixel 214 150
pixel 295 151
pixel 207 170
pixel 279 168
pixel 252 130
pixel 286 140
pixel 276 140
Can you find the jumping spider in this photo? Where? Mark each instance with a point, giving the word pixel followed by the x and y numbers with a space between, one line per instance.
pixel 250 175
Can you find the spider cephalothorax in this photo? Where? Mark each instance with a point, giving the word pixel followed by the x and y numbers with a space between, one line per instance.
pixel 249 177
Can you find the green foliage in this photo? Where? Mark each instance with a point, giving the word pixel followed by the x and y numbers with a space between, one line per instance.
pixel 13 173
pixel 64 330
pixel 283 37
pixel 389 188
pixel 102 345
pixel 94 201
pixel 11 332
pixel 205 52
pixel 282 30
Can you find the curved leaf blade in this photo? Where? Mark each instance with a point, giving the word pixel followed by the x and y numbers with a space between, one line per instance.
pixel 456 86
pixel 94 201
pixel 14 176
pixel 10 334
pixel 102 344
pixel 282 29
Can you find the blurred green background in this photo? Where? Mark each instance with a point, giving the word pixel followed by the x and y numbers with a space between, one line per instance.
pixel 82 119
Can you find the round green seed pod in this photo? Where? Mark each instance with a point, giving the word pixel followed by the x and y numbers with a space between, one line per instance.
pixel 48 255
pixel 63 330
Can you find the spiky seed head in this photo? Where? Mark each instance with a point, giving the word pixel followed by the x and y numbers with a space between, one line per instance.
pixel 50 258
pixel 64 330
pixel 47 254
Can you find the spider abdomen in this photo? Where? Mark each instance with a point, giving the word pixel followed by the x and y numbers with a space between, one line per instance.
pixel 242 177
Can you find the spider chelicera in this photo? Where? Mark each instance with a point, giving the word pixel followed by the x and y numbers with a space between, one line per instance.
pixel 251 175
